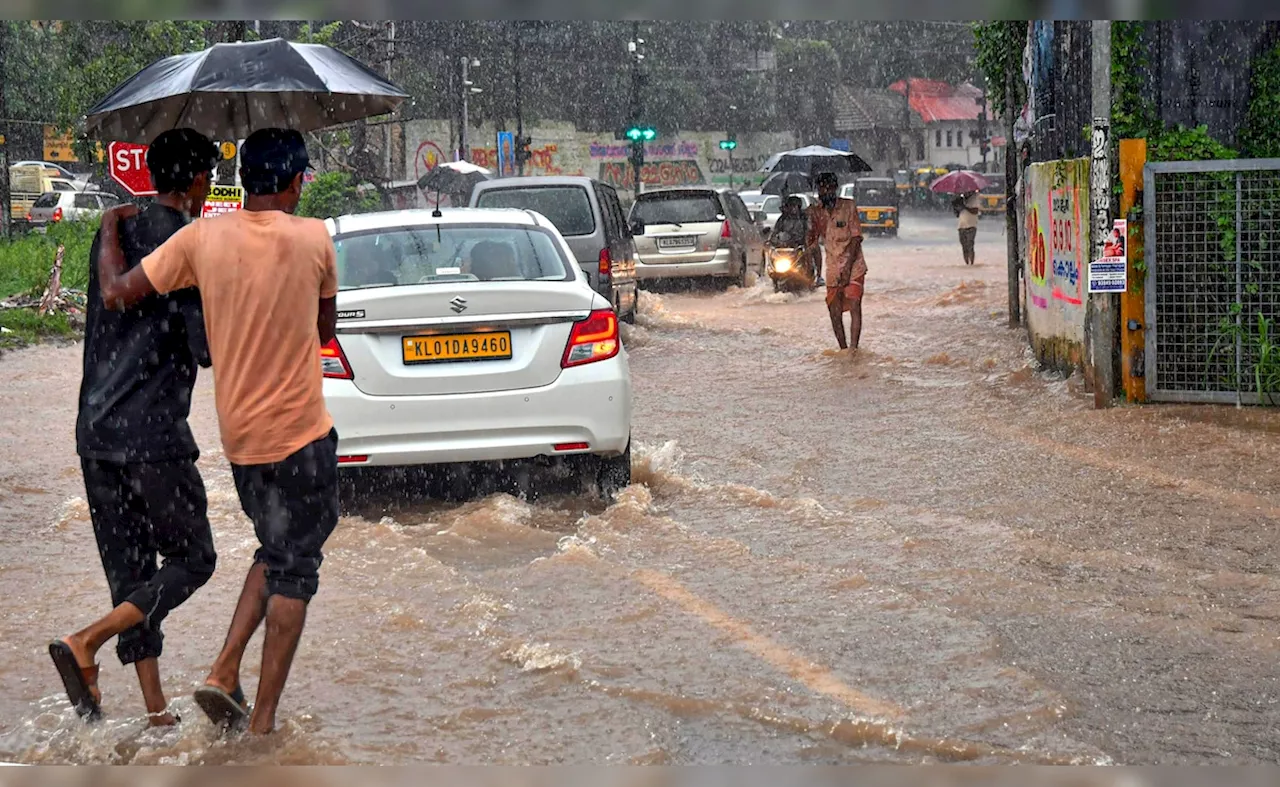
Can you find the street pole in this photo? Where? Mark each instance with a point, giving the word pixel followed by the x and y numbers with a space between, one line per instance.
pixel 6 199
pixel 519 114
pixel 729 135
pixel 1011 198
pixel 1103 309
pixel 466 93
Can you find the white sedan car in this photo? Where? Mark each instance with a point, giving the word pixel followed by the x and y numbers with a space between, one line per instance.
pixel 472 336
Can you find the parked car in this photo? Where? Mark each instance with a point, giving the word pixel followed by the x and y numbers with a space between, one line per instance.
pixel 28 182
pixel 58 170
pixel 768 204
pixel 589 215
pixel 473 337
pixel 54 206
pixel 696 231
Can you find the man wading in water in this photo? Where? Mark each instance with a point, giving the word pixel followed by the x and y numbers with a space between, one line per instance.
pixel 269 282
pixel 145 494
pixel 834 222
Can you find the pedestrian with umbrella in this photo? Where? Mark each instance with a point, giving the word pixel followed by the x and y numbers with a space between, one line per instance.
pixel 261 272
pixel 455 178
pixel 967 205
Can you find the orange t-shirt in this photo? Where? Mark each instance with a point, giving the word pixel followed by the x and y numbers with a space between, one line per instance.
pixel 261 276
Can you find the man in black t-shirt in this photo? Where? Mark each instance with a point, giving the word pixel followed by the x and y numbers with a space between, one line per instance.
pixel 146 497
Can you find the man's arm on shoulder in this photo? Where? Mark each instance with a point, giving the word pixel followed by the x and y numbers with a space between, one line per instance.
pixel 168 268
pixel 120 288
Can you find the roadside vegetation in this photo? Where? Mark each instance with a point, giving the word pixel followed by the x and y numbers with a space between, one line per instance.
pixel 25 264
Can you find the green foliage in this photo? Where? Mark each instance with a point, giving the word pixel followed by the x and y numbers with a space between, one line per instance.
pixel 25 261
pixel 1133 114
pixel 1187 144
pixel 1257 338
pixel 1260 136
pixel 27 326
pixel 805 67
pixel 999 47
pixel 335 194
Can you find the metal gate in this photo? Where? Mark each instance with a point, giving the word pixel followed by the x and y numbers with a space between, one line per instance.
pixel 1212 251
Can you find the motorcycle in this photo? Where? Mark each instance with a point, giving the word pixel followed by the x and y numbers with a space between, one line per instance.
pixel 790 269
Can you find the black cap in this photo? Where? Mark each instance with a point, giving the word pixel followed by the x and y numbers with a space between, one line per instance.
pixel 273 155
pixel 181 154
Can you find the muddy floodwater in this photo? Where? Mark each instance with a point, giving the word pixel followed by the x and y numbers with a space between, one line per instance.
pixel 927 551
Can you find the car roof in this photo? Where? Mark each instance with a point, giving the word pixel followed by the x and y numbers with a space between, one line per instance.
pixel 421 217
pixel 685 189
pixel 538 180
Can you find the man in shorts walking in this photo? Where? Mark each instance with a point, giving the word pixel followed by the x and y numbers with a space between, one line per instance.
pixel 268 281
pixel 835 235
pixel 146 498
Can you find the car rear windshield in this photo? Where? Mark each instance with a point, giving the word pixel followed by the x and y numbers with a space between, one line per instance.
pixel 47 200
pixel 567 207
pixel 429 255
pixel 677 208
pixel 869 193
pixel 995 185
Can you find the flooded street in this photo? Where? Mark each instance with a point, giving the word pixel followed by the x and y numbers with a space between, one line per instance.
pixel 926 551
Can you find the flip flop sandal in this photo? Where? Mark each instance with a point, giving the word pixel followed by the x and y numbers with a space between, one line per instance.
pixel 78 681
pixel 225 709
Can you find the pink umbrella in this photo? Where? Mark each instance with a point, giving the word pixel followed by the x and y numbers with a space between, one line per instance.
pixel 961 181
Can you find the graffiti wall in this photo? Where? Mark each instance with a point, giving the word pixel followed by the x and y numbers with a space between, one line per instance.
pixel 1056 207
pixel 687 158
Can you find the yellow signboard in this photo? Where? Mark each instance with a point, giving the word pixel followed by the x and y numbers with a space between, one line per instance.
pixel 223 199
pixel 60 147
pixel 228 151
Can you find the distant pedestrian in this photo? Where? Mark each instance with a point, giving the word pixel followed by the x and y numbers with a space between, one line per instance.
pixel 969 208
pixel 269 283
pixel 146 498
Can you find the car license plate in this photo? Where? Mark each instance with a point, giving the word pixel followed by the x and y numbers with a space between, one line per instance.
pixel 873 215
pixel 677 241
pixel 494 346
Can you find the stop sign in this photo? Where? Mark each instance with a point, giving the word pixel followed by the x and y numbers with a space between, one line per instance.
pixel 128 162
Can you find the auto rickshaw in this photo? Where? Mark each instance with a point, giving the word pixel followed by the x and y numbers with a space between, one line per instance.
pixel 878 203
pixel 902 180
pixel 993 196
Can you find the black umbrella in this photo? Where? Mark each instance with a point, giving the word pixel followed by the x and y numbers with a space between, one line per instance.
pixel 454 178
pixel 228 91
pixel 787 183
pixel 814 159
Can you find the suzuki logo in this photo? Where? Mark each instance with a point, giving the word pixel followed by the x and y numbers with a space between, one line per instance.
pixel 458 304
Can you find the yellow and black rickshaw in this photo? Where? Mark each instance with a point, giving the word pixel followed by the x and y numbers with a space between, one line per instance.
pixel 993 196
pixel 878 203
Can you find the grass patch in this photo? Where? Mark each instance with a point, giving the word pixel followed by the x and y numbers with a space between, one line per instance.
pixel 25 261
pixel 26 326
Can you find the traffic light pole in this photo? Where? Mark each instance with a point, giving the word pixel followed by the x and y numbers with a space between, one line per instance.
pixel 519 114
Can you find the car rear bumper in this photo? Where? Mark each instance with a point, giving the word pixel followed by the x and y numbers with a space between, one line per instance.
pixel 588 404
pixel 675 266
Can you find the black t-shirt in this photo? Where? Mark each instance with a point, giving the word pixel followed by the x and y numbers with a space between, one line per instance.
pixel 140 364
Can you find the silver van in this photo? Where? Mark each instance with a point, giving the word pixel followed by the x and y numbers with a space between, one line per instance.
pixel 589 215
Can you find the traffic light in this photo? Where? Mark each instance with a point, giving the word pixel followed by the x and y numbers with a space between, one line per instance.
pixel 522 149
pixel 641 134
pixel 728 144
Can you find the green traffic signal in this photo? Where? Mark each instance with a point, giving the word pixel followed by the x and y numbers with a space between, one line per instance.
pixel 638 133
pixel 649 134
pixel 728 144
pixel 634 134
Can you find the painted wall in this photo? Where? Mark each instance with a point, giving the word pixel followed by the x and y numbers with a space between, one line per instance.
pixel 1056 207
pixel 686 158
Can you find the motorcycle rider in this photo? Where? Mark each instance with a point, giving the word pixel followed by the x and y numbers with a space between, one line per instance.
pixel 791 228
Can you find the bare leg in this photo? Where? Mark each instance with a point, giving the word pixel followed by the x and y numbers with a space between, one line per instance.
pixel 87 642
pixel 250 610
pixel 837 324
pixel 285 620
pixel 153 693
pixel 855 322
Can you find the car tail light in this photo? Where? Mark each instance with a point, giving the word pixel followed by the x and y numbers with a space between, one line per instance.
pixel 593 339
pixel 333 362
pixel 57 214
pixel 725 234
pixel 352 460
pixel 606 262
pixel 563 447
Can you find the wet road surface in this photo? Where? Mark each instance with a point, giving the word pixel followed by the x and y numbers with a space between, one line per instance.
pixel 927 551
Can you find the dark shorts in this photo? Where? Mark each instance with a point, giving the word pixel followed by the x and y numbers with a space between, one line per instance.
pixel 142 511
pixel 967 237
pixel 294 507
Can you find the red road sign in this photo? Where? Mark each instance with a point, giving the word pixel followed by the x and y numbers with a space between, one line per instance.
pixel 128 162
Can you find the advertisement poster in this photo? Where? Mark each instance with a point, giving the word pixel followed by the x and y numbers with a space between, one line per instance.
pixel 506 154
pixel 223 199
pixel 1111 273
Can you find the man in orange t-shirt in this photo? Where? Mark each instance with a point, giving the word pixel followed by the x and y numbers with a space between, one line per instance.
pixel 268 281
pixel 835 233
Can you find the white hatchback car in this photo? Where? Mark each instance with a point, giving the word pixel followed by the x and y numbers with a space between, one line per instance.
pixel 468 336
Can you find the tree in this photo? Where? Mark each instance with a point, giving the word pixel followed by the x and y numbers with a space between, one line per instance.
pixel 804 87
pixel 335 194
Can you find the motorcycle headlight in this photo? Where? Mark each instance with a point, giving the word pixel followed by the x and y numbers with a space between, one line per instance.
pixel 782 264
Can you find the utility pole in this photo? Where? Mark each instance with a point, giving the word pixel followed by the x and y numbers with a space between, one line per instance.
pixel 637 105
pixel 1011 198
pixel 466 94
pixel 519 114
pixel 6 199
pixel 389 129
pixel 1103 309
